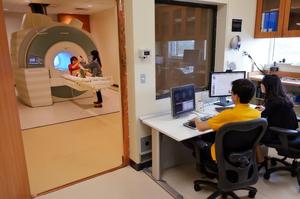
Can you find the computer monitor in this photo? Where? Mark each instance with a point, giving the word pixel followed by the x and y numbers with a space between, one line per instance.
pixel 182 99
pixel 220 85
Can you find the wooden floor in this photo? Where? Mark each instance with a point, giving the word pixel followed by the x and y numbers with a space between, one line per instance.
pixel 63 153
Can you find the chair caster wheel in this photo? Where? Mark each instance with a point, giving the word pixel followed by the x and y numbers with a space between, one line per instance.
pixel 197 187
pixel 267 176
pixel 252 194
pixel 293 174
pixel 273 162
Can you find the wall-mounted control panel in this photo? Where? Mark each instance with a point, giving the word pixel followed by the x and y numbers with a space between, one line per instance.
pixel 144 53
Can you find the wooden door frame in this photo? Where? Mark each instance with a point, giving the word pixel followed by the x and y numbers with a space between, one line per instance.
pixel 123 80
pixel 14 181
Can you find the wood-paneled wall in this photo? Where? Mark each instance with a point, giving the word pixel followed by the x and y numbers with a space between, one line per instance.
pixel 66 18
pixel 13 173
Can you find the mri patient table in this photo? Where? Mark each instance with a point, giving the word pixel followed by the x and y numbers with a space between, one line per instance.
pixel 88 83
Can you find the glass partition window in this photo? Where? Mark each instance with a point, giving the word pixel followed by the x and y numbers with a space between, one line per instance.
pixel 184 46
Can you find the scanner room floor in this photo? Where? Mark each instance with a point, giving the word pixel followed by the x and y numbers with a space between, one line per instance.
pixel 68 110
pixel 63 153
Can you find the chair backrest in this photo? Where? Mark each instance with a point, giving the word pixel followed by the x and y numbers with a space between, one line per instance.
pixel 235 153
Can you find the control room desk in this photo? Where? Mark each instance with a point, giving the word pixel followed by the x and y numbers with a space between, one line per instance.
pixel 173 128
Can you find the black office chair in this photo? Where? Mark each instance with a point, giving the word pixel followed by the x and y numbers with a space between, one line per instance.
pixel 287 145
pixel 235 153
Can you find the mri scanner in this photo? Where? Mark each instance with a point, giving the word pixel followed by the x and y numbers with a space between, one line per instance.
pixel 40 54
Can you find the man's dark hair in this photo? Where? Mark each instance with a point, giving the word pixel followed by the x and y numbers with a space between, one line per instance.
pixel 243 88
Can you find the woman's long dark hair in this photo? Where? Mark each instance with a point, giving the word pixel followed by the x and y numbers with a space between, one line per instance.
pixel 96 56
pixel 275 90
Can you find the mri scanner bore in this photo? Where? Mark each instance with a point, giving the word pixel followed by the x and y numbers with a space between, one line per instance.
pixel 41 53
pixel 61 60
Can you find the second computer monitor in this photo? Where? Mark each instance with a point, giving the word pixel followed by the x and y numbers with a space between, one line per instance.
pixel 182 99
pixel 221 83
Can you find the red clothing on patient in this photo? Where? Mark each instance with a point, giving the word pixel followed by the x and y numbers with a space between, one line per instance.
pixel 74 70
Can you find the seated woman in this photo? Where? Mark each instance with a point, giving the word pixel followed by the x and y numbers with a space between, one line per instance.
pixel 278 109
pixel 74 68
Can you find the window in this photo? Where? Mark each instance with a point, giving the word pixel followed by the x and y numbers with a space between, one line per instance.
pixel 62 60
pixel 185 43
pixel 176 48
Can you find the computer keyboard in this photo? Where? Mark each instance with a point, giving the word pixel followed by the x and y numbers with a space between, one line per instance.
pixel 222 108
pixel 190 124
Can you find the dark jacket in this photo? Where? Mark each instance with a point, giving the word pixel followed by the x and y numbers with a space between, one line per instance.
pixel 94 67
pixel 280 114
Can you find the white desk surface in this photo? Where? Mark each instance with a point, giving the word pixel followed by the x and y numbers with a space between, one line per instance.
pixel 173 128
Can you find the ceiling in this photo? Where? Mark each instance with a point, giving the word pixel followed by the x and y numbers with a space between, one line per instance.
pixel 60 6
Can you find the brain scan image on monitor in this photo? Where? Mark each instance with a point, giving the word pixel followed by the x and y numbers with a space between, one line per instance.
pixel 182 99
pixel 62 60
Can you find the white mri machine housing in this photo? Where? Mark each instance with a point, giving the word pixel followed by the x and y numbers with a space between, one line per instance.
pixel 33 50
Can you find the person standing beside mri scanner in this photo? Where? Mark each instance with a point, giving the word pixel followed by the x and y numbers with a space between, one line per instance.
pixel 94 66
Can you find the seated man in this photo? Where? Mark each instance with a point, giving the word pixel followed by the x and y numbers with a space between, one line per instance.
pixel 241 93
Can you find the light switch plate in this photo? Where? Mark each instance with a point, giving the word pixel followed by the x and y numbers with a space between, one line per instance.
pixel 142 78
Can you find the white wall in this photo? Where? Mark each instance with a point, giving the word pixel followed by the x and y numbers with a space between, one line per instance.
pixel 104 28
pixel 258 48
pixel 13 22
pixel 140 33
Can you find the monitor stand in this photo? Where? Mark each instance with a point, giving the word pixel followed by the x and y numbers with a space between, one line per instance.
pixel 223 102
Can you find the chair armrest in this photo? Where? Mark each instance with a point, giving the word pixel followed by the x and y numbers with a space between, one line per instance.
pixel 283 135
pixel 282 131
